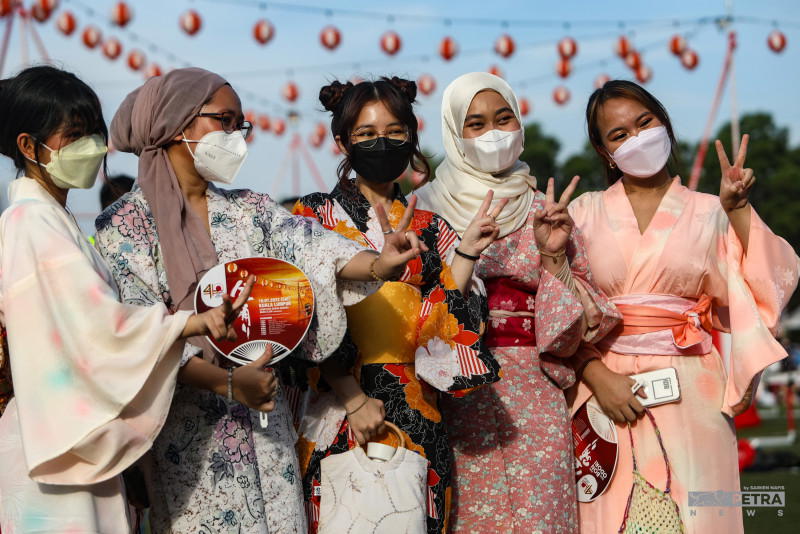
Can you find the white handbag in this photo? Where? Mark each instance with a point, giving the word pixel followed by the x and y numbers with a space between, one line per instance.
pixel 366 496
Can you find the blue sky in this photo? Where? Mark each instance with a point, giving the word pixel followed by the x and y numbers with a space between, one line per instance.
pixel 764 80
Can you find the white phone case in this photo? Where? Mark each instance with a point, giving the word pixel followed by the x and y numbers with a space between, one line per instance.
pixel 660 385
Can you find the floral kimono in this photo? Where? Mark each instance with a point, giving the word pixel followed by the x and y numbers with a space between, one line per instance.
pixel 688 269
pixel 215 470
pixel 93 378
pixel 407 343
pixel 512 441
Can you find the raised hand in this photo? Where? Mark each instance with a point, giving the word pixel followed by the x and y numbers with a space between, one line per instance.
pixel 483 229
pixel 218 322
pixel 400 244
pixel 552 224
pixel 736 182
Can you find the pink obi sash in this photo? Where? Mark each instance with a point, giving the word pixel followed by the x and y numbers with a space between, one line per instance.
pixel 663 325
pixel 511 324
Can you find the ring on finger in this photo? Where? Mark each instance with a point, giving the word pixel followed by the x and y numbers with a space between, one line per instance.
pixel 387 232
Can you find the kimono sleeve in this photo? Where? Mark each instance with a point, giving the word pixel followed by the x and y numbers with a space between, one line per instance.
pixel 753 289
pixel 93 378
pixel 320 254
pixel 451 355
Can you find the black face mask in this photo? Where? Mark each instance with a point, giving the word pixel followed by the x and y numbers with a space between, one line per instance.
pixel 383 162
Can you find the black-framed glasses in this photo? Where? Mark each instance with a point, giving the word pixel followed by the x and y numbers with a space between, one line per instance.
pixel 368 137
pixel 229 123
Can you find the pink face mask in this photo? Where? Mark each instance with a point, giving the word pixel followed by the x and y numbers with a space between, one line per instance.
pixel 644 155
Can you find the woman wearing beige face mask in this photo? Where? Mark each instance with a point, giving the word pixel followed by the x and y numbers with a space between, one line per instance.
pixel 512 442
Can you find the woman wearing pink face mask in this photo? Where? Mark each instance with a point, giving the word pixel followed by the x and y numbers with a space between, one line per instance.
pixel 677 263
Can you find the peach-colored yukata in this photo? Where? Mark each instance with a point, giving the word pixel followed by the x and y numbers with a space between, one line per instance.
pixel 688 251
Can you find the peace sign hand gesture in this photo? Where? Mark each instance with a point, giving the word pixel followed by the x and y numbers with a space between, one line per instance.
pixel 483 229
pixel 400 244
pixel 736 182
pixel 552 224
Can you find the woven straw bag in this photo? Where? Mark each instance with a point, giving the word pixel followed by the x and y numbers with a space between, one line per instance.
pixel 650 510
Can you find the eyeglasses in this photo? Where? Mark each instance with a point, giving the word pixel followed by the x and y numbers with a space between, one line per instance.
pixel 368 137
pixel 229 124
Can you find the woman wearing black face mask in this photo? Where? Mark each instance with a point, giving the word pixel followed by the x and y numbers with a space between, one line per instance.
pixel 417 336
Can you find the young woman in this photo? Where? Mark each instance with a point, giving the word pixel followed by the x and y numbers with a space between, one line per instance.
pixel 417 336
pixel 215 468
pixel 93 378
pixel 512 441
pixel 677 263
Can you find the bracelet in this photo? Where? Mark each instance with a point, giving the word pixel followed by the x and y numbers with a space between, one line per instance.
pixel 366 398
pixel 467 256
pixel 560 254
pixel 372 272
pixel 230 384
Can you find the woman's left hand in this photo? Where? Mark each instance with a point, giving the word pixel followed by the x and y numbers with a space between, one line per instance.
pixel 552 224
pixel 483 229
pixel 736 182
pixel 400 244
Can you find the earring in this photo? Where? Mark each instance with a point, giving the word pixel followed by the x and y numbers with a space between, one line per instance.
pixel 611 164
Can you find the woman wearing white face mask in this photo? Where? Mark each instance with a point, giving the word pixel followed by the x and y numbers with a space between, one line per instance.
pixel 677 263
pixel 512 442
pixel 214 468
pixel 92 378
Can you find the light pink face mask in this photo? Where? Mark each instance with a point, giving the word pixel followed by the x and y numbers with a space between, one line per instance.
pixel 644 155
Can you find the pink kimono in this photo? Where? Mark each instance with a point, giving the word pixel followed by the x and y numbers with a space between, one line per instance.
pixel 688 257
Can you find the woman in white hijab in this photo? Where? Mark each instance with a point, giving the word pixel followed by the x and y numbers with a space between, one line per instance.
pixel 512 443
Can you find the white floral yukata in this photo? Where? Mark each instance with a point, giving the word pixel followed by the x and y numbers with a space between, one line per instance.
pixel 215 470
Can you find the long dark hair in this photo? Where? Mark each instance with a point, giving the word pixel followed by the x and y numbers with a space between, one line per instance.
pixel 345 101
pixel 631 91
pixel 41 100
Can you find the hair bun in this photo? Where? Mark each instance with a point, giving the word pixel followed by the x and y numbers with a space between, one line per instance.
pixel 331 95
pixel 407 87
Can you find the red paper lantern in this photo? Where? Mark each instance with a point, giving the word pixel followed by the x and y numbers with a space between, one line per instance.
pixel 633 60
pixel 250 116
pixel 426 84
pixel 7 6
pixel 623 47
pixel 321 130
pixel 152 70
pixel 263 31
pixel 776 41
pixel 494 69
pixel 121 14
pixel 567 48
pixel 250 138
pixel 42 9
pixel 279 126
pixel 524 106
pixel 191 22
pixel 290 91
pixel 420 123
pixel 561 95
pixel 335 150
pixel 563 67
pixel 689 59
pixel 264 123
pixel 112 48
pixel 66 23
pixel 330 37
pixel 601 80
pixel 448 48
pixel 504 45
pixel 91 36
pixel 677 44
pixel 643 74
pixel 136 59
pixel 391 43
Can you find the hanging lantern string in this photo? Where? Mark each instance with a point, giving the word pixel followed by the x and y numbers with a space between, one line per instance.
pixel 483 21
pixel 173 58
pixel 417 58
pixel 542 78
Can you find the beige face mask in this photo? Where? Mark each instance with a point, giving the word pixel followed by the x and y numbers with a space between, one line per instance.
pixel 75 166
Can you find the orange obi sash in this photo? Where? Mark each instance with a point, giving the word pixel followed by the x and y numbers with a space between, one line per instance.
pixel 661 325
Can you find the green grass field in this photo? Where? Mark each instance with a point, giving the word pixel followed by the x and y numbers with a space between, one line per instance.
pixel 767 520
